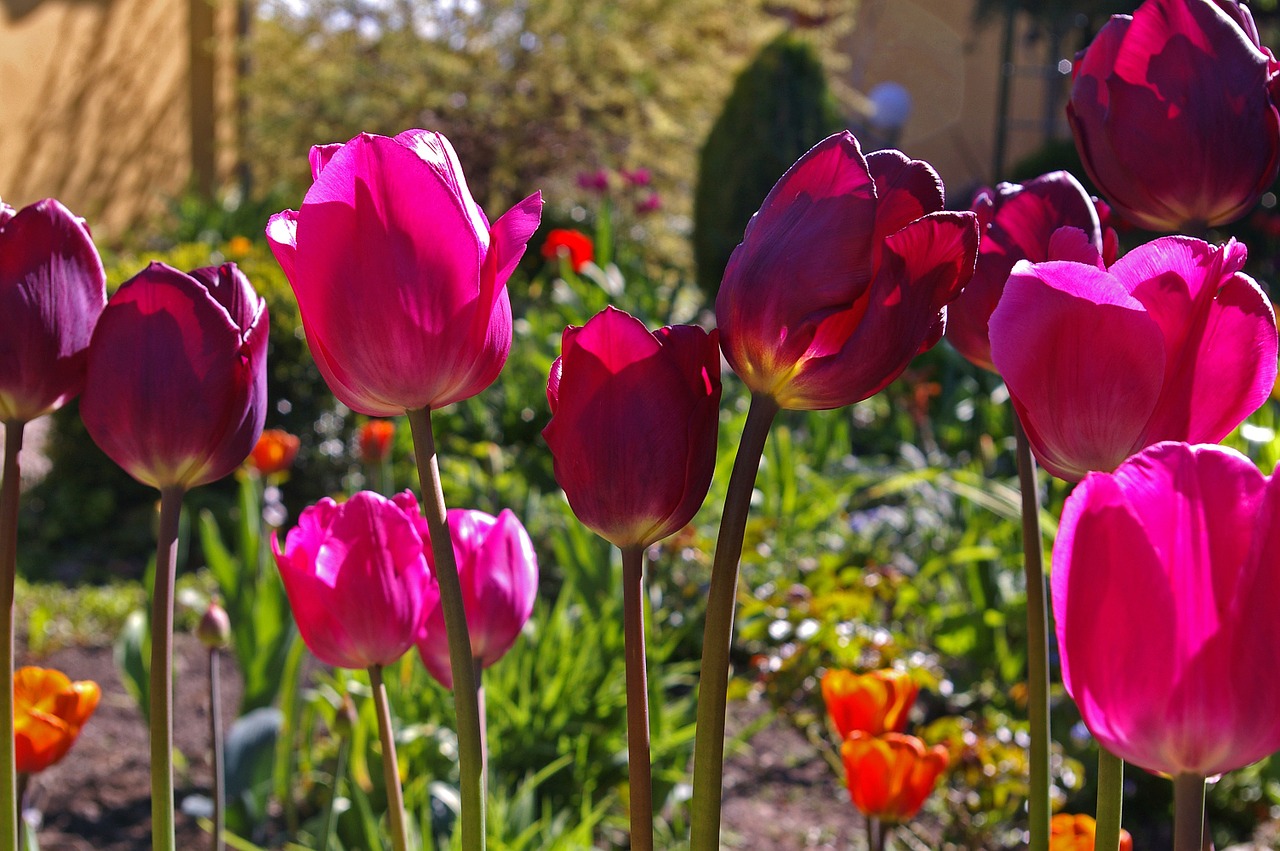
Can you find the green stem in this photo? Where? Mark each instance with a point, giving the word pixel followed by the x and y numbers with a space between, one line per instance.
pixel 484 721
pixel 639 771
pixel 1037 643
pixel 470 746
pixel 162 824
pixel 215 738
pixel 10 489
pixel 390 767
pixel 339 771
pixel 1110 800
pixel 1188 812
pixel 708 751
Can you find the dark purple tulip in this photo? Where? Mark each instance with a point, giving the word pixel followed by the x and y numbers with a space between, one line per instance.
pixel 177 387
pixel 52 291
pixel 1174 115
pixel 1017 220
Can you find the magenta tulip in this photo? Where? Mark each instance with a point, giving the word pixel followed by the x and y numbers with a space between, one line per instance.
pixel 1173 342
pixel 499 574
pixel 1017 220
pixel 1174 116
pixel 358 578
pixel 52 291
pixel 634 418
pixel 177 384
pixel 1165 590
pixel 400 280
pixel 843 276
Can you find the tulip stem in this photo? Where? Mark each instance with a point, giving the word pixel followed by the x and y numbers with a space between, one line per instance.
pixel 1188 812
pixel 708 751
pixel 10 489
pixel 330 811
pixel 1037 642
pixel 161 696
pixel 639 771
pixel 390 766
pixel 1110 800
pixel 470 746
pixel 215 739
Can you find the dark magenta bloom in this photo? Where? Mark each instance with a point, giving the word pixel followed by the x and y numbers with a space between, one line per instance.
pixel 1017 221
pixel 177 382
pixel 52 291
pixel 499 574
pixel 1173 111
pixel 843 276
pixel 401 281
pixel 634 418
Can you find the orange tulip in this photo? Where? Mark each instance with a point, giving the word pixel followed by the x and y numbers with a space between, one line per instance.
pixel 1076 833
pixel 274 452
pixel 874 703
pixel 890 776
pixel 375 440
pixel 48 712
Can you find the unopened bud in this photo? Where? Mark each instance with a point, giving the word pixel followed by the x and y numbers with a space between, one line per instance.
pixel 214 629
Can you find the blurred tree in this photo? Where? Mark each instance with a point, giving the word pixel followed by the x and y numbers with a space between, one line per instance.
pixel 530 92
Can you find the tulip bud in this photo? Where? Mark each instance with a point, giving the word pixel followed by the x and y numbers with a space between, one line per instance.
pixel 274 452
pixel 890 776
pixel 572 244
pixel 48 712
pixel 1069 832
pixel 214 629
pixel 375 440
pixel 877 702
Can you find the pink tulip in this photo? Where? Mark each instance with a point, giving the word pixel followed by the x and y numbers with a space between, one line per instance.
pixel 52 291
pixel 1164 592
pixel 1017 220
pixel 399 278
pixel 177 383
pixel 1173 342
pixel 1174 116
pixel 843 276
pixel 358 578
pixel 634 417
pixel 499 574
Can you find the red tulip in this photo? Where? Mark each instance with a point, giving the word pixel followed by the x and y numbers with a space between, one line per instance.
pixel 1174 116
pixel 375 440
pixel 52 291
pixel 1017 221
pixel 48 713
pixel 1164 593
pixel 633 425
pixel 177 386
pixel 573 244
pixel 274 452
pixel 876 702
pixel 399 278
pixel 890 776
pixel 843 276
pixel 499 574
pixel 1173 342
pixel 358 578
pixel 1078 833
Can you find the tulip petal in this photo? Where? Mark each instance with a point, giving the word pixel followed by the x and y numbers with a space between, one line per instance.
pixel 282 236
pixel 320 156
pixel 906 190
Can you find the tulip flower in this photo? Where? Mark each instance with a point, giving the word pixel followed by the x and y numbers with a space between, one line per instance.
pixel 1076 833
pixel 1164 590
pixel 843 276
pixel 374 440
pixel 274 452
pixel 358 578
pixel 1017 221
pixel 52 291
pixel 49 712
pixel 634 417
pixel 572 244
pixel 1157 100
pixel 890 776
pixel 877 702
pixel 499 574
pixel 400 280
pixel 177 386
pixel 1172 342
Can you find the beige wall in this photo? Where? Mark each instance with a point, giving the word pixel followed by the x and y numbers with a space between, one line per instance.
pixel 951 68
pixel 111 152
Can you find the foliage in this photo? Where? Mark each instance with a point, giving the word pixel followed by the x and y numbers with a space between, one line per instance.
pixel 780 107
